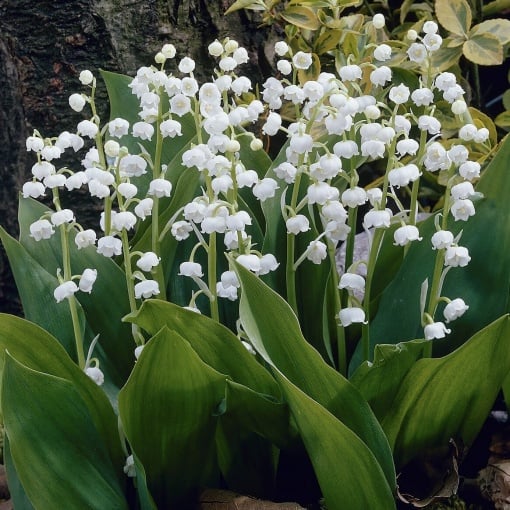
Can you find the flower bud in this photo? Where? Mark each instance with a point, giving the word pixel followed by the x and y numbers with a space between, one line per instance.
pixel 77 102
pixel 378 21
pixel 215 48
pixel 96 374
pixel 112 148
pixel 87 280
pixel 168 50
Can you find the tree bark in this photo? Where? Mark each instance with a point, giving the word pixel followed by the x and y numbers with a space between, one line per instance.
pixel 43 47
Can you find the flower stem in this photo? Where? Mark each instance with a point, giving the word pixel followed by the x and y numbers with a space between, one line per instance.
pixel 211 276
pixel 137 337
pixel 73 307
pixel 340 332
pixel 365 329
pixel 290 271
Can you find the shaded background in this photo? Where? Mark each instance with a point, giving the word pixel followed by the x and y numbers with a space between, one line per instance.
pixel 43 47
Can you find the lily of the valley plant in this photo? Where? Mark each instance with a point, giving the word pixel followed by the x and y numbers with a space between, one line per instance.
pixel 218 325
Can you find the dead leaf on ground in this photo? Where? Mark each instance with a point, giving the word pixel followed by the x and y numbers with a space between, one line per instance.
pixel 440 474
pixel 215 499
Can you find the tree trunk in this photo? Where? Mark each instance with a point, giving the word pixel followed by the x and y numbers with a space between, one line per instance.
pixel 43 47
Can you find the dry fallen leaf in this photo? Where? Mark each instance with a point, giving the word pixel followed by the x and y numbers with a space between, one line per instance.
pixel 215 499
pixel 442 475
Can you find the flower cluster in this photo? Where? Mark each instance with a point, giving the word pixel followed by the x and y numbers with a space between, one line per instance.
pixel 339 122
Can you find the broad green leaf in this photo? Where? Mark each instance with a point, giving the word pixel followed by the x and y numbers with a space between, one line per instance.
pixel 498 27
pixel 247 461
pixel 167 409
pixel 445 57
pixel 379 381
pixel 252 5
pixel 493 8
pixel 405 8
pixel 36 293
pixel 38 350
pixel 275 333
pixel 449 397
pixel 301 16
pixel 262 414
pixel 503 120
pixel 506 99
pixel 347 471
pixel 484 286
pixel 144 496
pixel 327 41
pixel 214 343
pixel 108 302
pixel 18 495
pixel 483 49
pixel 454 15
pixel 52 438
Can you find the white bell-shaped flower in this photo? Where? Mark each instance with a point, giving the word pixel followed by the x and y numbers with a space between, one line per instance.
pixel 148 261
pixel 457 256
pixel 108 246
pixel 146 289
pixel 85 238
pixel 435 330
pixel 351 315
pixel 454 309
pixel 352 281
pixel 96 374
pixel 296 224
pixel 87 280
pixel 65 290
pixel 406 234
pixel 191 269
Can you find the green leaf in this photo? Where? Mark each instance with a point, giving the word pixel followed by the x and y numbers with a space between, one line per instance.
pixel 18 495
pixel 449 397
pixel 252 5
pixel 167 410
pixel 347 471
pixel 445 57
pixel 36 294
pixel 275 333
pixel 454 15
pixel 262 414
pixel 214 343
pixel 506 99
pixel 503 120
pixel 498 27
pixel 38 350
pixel 51 436
pixel 301 16
pixel 247 461
pixel 327 41
pixel 379 381
pixel 483 49
pixel 144 496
